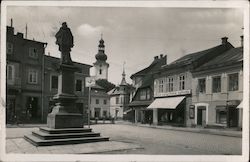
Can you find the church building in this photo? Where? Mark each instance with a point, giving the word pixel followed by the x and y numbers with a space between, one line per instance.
pixel 101 66
pixel 99 106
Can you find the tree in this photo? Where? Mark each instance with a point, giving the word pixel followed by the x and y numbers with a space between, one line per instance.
pixel 105 84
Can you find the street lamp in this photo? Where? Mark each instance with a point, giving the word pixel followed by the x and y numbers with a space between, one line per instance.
pixel 90 81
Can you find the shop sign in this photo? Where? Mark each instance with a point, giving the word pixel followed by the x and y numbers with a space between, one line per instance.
pixel 174 93
pixel 191 111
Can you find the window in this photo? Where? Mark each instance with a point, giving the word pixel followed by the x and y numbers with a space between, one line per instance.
pixel 54 82
pixel 9 48
pixel 148 94
pixel 105 102
pixel 181 82
pixel 202 85
pixel 221 117
pixel 161 82
pixel 117 100
pixel 233 84
pixel 100 71
pixel 170 84
pixel 32 76
pixel 10 72
pixel 78 85
pixel 33 52
pixel 97 101
pixel 143 94
pixel 216 84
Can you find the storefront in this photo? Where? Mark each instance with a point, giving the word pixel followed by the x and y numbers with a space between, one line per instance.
pixel 168 110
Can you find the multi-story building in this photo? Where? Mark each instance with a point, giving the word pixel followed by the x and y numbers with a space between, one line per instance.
pixel 217 91
pixel 51 73
pixel 173 86
pixel 142 96
pixel 32 80
pixel 24 77
pixel 99 103
pixel 119 99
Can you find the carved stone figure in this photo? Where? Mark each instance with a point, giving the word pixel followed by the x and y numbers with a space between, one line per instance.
pixel 64 39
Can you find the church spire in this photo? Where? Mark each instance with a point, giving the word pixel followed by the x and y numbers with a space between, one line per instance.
pixel 101 56
pixel 123 82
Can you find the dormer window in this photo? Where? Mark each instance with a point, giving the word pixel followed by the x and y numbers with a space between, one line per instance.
pixel 33 52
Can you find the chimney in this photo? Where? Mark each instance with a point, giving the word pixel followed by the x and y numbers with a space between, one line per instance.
pixel 161 55
pixel 242 40
pixel 11 22
pixel 19 35
pixel 224 40
pixel 156 57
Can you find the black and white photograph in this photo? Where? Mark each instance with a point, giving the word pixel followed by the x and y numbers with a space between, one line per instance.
pixel 124 81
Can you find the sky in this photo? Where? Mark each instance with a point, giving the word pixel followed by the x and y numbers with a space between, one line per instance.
pixel 132 35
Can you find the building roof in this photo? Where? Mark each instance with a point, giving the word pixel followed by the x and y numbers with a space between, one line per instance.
pixel 57 60
pixel 230 57
pixel 97 87
pixel 154 66
pixel 198 58
pixel 140 103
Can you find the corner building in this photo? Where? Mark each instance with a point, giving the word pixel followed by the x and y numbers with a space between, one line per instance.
pixel 218 90
pixel 173 86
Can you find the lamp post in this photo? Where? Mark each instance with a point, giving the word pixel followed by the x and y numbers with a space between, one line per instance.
pixel 90 81
pixel 89 107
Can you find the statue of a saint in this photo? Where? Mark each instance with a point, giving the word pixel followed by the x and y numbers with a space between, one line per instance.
pixel 64 39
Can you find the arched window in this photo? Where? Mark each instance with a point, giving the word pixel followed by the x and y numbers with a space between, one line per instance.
pixel 100 71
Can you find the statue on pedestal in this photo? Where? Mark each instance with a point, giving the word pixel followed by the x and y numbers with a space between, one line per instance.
pixel 64 39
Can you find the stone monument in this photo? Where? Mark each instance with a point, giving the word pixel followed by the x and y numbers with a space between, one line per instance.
pixel 65 122
pixel 65 109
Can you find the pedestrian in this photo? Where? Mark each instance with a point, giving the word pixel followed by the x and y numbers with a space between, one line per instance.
pixel 150 120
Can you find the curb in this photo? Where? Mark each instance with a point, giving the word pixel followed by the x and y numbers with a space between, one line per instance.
pixel 201 131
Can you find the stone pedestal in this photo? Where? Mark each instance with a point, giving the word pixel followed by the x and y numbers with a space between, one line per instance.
pixel 65 114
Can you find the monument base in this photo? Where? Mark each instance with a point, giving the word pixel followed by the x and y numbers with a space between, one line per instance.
pixel 49 136
pixel 64 120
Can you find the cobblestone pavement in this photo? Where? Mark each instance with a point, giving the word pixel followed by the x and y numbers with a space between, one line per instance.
pixel 170 142
pixel 130 139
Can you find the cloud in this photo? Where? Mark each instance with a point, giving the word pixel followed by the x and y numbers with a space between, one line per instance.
pixel 89 31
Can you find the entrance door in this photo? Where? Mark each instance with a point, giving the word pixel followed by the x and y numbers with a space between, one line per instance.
pixel 10 109
pixel 201 115
pixel 97 112
pixel 32 107
pixel 233 117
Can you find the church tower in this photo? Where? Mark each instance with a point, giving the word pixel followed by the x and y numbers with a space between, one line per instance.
pixel 101 66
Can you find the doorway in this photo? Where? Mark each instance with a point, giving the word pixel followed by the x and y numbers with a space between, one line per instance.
pixel 11 110
pixel 32 107
pixel 201 115
pixel 97 112
pixel 233 117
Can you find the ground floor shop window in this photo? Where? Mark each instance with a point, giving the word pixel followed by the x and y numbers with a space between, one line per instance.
pixel 221 117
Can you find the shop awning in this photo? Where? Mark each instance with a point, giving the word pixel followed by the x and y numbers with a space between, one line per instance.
pixel 240 106
pixel 127 111
pixel 166 103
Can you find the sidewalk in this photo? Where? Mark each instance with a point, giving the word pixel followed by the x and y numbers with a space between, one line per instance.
pixel 15 143
pixel 222 132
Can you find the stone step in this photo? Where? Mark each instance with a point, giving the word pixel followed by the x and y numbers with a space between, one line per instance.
pixel 40 142
pixel 46 136
pixel 65 130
